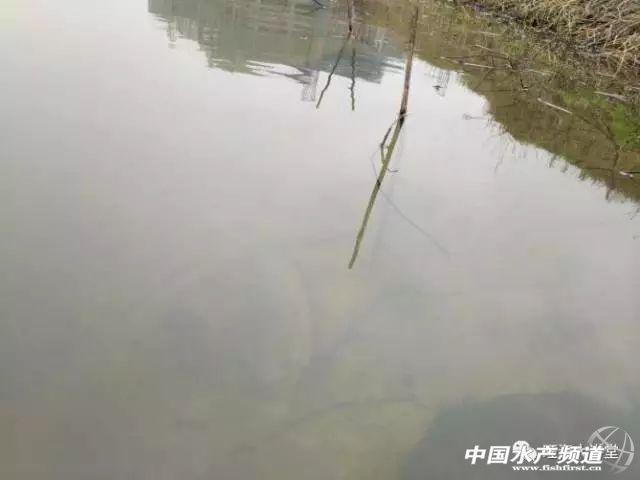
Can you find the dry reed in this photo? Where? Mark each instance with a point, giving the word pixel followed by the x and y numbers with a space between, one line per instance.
pixel 605 29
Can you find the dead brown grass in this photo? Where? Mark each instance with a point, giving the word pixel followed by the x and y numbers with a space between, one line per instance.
pixel 606 29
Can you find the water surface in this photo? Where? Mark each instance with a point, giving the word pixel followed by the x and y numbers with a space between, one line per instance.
pixel 178 216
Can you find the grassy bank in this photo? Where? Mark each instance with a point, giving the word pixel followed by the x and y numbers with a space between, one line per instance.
pixel 536 92
pixel 607 30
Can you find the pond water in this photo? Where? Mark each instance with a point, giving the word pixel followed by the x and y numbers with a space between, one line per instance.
pixel 183 183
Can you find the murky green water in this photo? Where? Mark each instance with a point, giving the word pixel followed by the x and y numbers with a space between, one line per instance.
pixel 178 216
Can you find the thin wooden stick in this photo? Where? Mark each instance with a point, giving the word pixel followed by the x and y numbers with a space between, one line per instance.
pixel 350 14
pixel 386 156
pixel 408 65
pixel 374 193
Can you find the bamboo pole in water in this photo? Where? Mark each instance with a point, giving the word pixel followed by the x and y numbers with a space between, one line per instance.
pixel 386 159
pixel 374 192
pixel 408 65
pixel 350 14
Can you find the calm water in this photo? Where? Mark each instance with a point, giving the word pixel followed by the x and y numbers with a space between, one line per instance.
pixel 177 222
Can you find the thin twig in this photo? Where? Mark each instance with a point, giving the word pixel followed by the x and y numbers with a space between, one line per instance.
pixel 548 104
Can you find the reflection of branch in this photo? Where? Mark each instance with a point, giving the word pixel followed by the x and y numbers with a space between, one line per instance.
pixel 350 15
pixel 333 69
